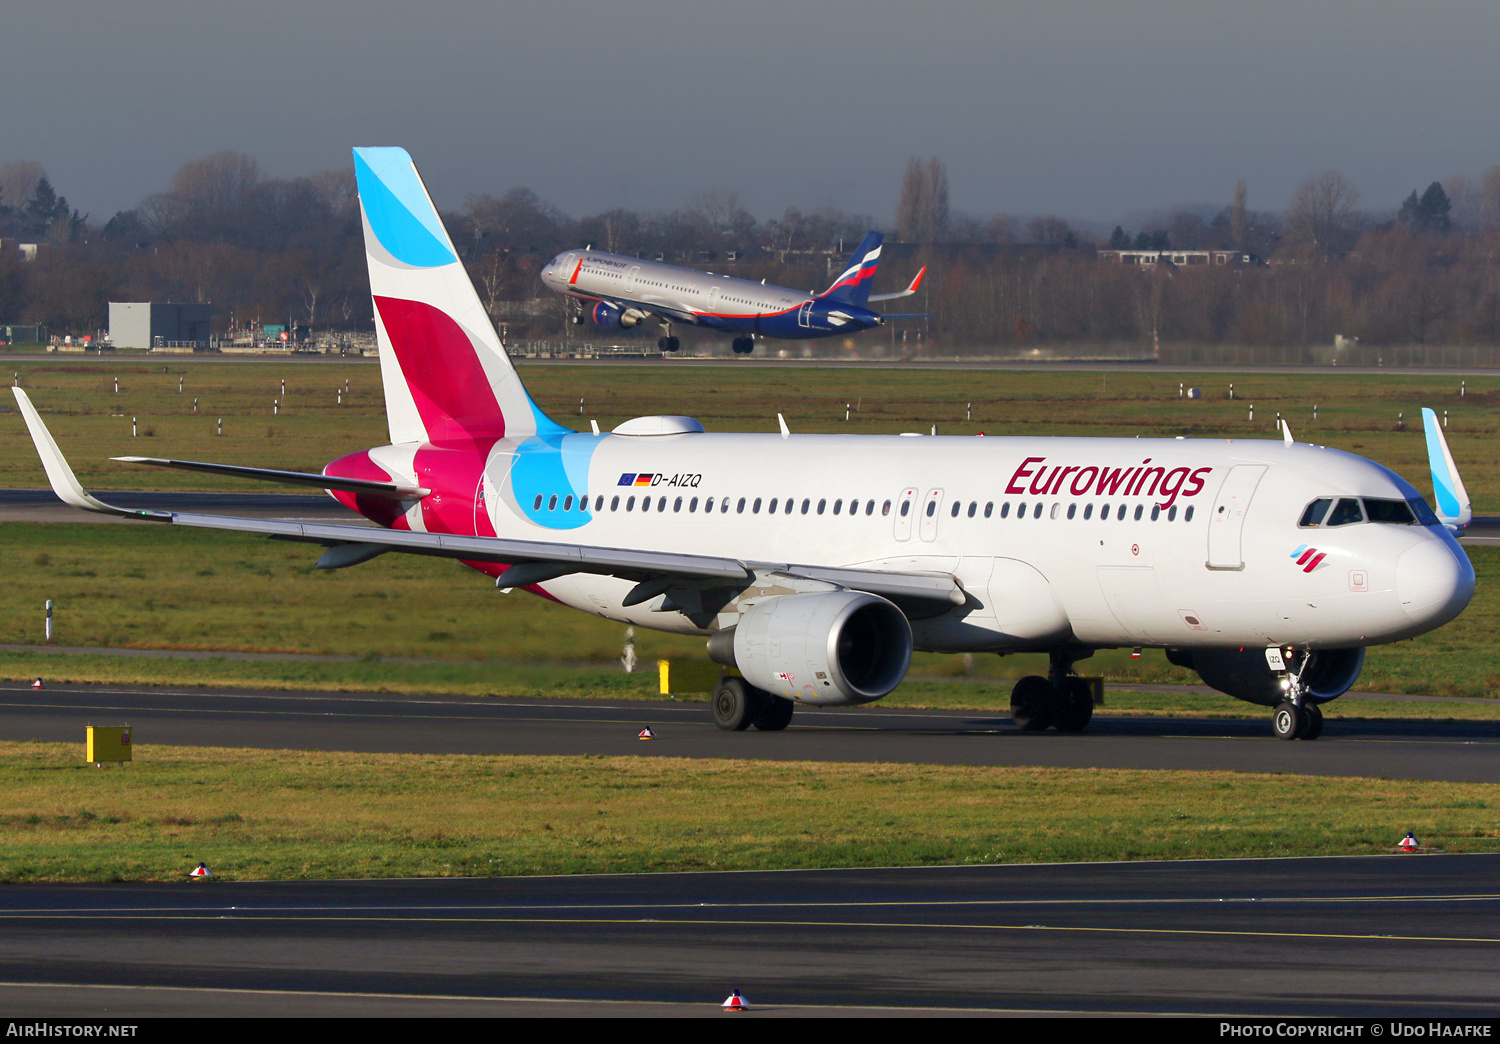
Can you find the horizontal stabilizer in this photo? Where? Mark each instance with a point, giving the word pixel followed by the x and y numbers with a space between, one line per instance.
pixel 1453 506
pixel 370 487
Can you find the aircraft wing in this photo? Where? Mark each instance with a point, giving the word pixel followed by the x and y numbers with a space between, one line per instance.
pixel 916 282
pixel 530 561
pixel 389 490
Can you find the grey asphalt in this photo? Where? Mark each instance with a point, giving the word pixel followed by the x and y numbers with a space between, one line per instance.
pixel 1373 936
pixel 1437 750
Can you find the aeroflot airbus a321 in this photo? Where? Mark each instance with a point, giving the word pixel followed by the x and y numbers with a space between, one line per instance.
pixel 815 564
pixel 626 291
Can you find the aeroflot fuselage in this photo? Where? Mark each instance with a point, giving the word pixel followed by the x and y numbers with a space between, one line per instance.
pixel 1056 541
pixel 625 290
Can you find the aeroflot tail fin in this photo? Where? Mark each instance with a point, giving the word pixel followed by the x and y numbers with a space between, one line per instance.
pixel 446 376
pixel 853 284
pixel 1453 507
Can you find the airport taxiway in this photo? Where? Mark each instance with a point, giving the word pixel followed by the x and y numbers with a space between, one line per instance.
pixel 1434 750
pixel 1388 936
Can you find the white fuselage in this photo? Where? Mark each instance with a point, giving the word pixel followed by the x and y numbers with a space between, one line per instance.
pixel 1208 552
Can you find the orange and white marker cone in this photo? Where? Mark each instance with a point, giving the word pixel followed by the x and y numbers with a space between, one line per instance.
pixel 38 684
pixel 646 733
pixel 734 1002
pixel 1409 843
pixel 201 871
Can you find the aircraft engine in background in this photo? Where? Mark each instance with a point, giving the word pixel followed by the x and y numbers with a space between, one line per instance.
pixel 1326 674
pixel 828 648
pixel 613 317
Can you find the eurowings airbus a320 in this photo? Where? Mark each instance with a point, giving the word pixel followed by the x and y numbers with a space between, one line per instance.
pixel 814 565
pixel 625 291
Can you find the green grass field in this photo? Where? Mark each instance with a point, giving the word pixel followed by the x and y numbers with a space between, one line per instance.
pixel 253 814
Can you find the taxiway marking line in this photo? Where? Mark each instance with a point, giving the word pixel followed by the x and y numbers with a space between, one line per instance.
pixel 726 923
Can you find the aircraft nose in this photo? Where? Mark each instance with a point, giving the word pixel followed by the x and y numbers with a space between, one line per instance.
pixel 1434 581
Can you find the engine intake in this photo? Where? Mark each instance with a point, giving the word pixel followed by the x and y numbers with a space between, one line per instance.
pixel 1326 674
pixel 830 648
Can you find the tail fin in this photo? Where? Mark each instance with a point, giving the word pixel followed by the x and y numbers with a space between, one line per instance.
pixel 853 284
pixel 446 376
pixel 1453 506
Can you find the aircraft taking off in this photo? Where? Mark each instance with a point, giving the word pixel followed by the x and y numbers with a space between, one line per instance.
pixel 626 291
pixel 815 564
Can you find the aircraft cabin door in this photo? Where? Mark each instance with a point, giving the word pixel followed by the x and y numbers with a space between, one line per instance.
pixel 713 300
pixel 804 315
pixel 905 508
pixel 1228 518
pixel 931 505
pixel 630 278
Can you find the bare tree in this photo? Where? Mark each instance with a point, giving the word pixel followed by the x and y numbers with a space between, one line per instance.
pixel 1322 212
pixel 1239 220
pixel 935 205
pixel 1489 199
pixel 909 205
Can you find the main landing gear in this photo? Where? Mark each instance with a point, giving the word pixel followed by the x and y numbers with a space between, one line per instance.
pixel 737 705
pixel 668 343
pixel 1062 699
pixel 1291 722
pixel 743 345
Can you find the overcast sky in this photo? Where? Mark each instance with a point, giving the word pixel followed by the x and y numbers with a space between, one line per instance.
pixel 1089 110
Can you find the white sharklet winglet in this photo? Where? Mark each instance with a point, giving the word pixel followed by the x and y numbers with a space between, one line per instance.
pixel 1286 432
pixel 785 431
pixel 64 483
pixel 389 490
pixel 1453 506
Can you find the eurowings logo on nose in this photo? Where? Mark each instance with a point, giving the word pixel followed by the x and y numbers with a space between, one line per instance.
pixel 1309 558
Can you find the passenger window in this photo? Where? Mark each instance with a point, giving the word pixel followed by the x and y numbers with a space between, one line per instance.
pixel 905 507
pixel 568 502
pixel 788 508
pixel 821 505
pixel 739 509
pixel 772 509
pixel 1346 512
pixel 724 507
pixel 1072 510
pixel 1172 513
pixel 614 504
pixel 1005 510
pixel 1104 513
pixel 1155 512
pixel 552 503
pixel 989 509
pixel 1313 516
pixel 756 509
pixel 630 504
pixel 693 504
pixel 886 508
pixel 931 508
pixel 1139 510
pixel 599 503
pixel 1088 512
pixel 538 505
pixel 1187 516
pixel 973 507
pixel 837 505
pixel 1053 513
pixel 1120 515
pixel 1038 512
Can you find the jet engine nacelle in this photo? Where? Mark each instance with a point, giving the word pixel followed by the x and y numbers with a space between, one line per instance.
pixel 613 317
pixel 1326 674
pixel 825 648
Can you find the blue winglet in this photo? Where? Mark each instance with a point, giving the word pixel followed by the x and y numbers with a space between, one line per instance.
pixel 1453 507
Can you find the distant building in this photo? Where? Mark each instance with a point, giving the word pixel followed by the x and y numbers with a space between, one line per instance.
pixel 1180 258
pixel 22 333
pixel 150 324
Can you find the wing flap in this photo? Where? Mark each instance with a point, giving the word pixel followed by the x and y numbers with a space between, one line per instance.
pixel 370 487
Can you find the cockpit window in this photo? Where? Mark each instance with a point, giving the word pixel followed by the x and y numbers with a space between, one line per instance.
pixel 1313 516
pixel 1390 512
pixel 1424 514
pixel 1346 512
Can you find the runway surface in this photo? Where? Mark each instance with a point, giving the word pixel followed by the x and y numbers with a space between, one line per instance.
pixel 1460 751
pixel 1395 935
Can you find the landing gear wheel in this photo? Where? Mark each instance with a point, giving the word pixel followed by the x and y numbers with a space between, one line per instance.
pixel 668 344
pixel 735 704
pixel 744 345
pixel 1033 703
pixel 1289 722
pixel 775 713
pixel 1314 722
pixel 1077 706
